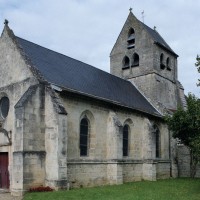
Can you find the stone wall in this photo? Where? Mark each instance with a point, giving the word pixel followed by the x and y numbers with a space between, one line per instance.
pixel 163 169
pixel 105 144
pixel 132 171
pixel 87 174
pixel 183 162
pixel 29 153
pixel 55 145
pixel 33 164
pixel 183 156
pixel 158 90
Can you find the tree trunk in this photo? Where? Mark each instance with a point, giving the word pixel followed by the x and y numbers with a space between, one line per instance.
pixel 193 165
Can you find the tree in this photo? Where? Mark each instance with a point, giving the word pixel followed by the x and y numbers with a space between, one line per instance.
pixel 197 64
pixel 185 125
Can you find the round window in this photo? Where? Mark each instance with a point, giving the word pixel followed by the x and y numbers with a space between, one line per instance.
pixel 4 107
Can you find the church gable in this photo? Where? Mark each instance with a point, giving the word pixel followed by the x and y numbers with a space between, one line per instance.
pixel 127 37
pixel 133 50
pixel 138 49
pixel 12 64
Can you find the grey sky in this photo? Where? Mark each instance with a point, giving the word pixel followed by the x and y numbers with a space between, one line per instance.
pixel 87 29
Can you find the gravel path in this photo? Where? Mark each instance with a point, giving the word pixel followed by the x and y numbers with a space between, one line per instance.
pixel 7 196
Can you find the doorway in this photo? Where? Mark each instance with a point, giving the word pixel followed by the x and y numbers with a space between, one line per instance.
pixel 4 175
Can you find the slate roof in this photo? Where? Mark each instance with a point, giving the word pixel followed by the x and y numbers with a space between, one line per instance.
pixel 76 76
pixel 158 39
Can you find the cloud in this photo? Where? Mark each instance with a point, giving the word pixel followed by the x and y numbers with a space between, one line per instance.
pixel 87 29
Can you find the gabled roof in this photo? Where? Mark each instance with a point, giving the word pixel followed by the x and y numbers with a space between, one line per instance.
pixel 158 39
pixel 76 76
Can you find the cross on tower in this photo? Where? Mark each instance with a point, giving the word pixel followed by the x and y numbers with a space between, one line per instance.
pixel 6 22
pixel 130 9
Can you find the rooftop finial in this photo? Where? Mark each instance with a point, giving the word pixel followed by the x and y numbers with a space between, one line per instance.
pixel 6 22
pixel 142 16
pixel 154 28
pixel 130 9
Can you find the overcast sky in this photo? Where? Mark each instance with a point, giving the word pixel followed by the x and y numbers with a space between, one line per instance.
pixel 87 29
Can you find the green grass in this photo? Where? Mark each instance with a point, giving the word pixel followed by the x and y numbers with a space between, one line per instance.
pixel 171 189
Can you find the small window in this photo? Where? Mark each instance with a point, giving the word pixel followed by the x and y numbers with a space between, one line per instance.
pixel 162 66
pixel 84 129
pixel 168 64
pixel 135 60
pixel 126 63
pixel 131 39
pixel 125 140
pixel 4 107
pixel 157 141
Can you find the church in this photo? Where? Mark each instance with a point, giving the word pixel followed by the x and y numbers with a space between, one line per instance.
pixel 64 123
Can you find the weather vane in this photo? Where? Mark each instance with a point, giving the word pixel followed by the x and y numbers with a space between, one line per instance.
pixel 142 16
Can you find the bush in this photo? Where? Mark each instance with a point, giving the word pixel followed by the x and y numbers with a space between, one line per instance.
pixel 41 189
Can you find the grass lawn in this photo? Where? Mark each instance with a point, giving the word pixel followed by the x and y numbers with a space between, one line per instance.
pixel 171 189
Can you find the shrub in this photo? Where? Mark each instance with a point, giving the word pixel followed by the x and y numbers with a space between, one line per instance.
pixel 41 189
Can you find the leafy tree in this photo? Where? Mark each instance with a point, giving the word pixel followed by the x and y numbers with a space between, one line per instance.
pixel 197 64
pixel 185 125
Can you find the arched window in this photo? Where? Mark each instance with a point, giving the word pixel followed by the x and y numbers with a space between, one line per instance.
pixel 131 39
pixel 126 63
pixel 162 66
pixel 4 107
pixel 125 140
pixel 135 60
pixel 157 142
pixel 84 132
pixel 168 64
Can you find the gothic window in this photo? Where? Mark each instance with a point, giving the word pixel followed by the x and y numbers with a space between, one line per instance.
pixel 126 63
pixel 84 132
pixel 125 140
pixel 4 107
pixel 168 64
pixel 162 66
pixel 135 60
pixel 157 141
pixel 131 39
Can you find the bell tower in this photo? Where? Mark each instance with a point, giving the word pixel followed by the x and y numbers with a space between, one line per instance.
pixel 142 56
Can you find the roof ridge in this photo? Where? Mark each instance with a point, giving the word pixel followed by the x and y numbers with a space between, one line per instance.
pixel 74 59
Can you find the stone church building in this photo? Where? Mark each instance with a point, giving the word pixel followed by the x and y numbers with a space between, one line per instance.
pixel 66 123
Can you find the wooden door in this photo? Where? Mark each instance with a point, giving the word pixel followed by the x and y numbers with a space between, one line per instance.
pixel 4 175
